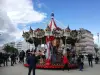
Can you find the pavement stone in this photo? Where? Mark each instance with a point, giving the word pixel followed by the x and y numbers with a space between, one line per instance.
pixel 19 69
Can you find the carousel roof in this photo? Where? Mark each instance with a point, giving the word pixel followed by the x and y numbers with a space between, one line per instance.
pixel 58 28
pixel 38 29
pixel 52 23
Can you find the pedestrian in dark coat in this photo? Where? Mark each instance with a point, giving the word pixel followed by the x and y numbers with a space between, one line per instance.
pixel 1 58
pixel 90 59
pixel 96 59
pixel 32 63
pixel 5 60
pixel 12 59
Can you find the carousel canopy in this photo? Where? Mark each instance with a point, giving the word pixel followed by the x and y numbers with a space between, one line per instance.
pixel 52 23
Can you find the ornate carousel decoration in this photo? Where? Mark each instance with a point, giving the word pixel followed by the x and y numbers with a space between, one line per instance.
pixel 48 31
pixel 67 32
pixel 74 34
pixel 58 32
pixel 39 33
pixel 26 35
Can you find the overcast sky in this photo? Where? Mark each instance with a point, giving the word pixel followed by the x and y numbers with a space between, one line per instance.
pixel 15 13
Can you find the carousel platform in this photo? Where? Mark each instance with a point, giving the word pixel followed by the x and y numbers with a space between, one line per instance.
pixel 53 66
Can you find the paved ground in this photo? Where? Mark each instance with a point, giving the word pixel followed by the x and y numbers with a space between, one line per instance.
pixel 19 69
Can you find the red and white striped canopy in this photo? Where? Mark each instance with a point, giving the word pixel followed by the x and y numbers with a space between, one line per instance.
pixel 52 23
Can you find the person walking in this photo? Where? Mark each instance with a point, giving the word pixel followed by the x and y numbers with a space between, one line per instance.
pixel 66 63
pixel 80 63
pixel 32 63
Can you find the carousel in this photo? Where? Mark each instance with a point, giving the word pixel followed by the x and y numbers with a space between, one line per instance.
pixel 54 38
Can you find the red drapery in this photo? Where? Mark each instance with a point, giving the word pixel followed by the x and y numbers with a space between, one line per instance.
pixel 49 38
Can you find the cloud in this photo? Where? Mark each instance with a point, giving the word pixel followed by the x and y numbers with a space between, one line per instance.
pixel 95 38
pixel 42 5
pixel 39 5
pixel 22 11
pixel 5 22
pixel 5 38
pixel 6 28
pixel 13 13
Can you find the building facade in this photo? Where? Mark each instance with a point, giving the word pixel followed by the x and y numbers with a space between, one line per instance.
pixel 21 45
pixel 18 45
pixel 1 49
pixel 86 42
pixel 12 44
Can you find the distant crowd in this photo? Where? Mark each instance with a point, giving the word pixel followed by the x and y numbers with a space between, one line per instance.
pixel 21 57
pixel 13 58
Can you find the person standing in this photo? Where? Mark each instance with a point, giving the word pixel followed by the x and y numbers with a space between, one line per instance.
pixel 90 59
pixel 27 54
pixel 23 56
pixel 1 58
pixel 15 56
pixel 5 60
pixel 96 60
pixel 12 59
pixel 66 63
pixel 32 63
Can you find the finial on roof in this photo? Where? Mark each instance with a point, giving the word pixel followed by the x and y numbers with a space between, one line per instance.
pixel 48 28
pixel 23 32
pixel 31 29
pixel 52 15
pixel 68 27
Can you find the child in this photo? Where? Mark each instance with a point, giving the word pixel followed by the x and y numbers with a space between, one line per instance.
pixel 66 63
pixel 81 66
pixel 80 63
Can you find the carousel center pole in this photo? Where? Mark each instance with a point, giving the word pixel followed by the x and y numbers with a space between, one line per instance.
pixel 48 62
pixel 49 46
pixel 65 42
pixel 33 39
